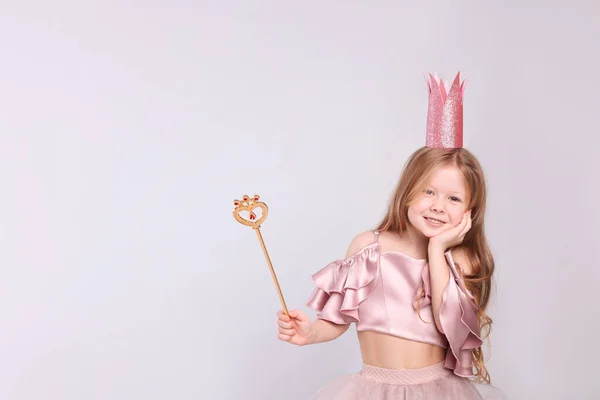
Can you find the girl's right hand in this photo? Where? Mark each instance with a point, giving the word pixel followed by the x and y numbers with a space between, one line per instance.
pixel 296 330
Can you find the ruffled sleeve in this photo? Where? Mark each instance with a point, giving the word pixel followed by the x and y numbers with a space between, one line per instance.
pixel 458 319
pixel 344 284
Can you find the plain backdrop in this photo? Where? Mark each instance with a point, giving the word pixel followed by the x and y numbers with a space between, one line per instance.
pixel 127 129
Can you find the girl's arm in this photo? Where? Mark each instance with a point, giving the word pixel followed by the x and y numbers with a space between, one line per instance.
pixel 324 331
pixel 299 330
pixel 454 308
pixel 438 276
pixel 439 271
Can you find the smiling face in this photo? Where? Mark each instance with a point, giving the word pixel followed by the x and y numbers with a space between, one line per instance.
pixel 441 202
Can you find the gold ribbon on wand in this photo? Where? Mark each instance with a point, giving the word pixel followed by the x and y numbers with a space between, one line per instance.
pixel 249 204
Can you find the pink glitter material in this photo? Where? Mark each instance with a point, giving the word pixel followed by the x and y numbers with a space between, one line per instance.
pixel 445 113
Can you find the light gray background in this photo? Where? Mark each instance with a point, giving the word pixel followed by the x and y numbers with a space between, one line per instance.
pixel 128 128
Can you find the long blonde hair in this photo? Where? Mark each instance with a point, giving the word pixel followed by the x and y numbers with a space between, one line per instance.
pixel 417 170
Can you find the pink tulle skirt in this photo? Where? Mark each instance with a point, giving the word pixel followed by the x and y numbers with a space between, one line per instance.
pixel 430 383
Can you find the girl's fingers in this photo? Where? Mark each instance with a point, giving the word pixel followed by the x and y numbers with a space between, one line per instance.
pixel 283 324
pixel 461 225
pixel 288 332
pixel 281 315
pixel 283 337
pixel 299 316
pixel 464 225
pixel 463 232
pixel 467 226
pixel 465 219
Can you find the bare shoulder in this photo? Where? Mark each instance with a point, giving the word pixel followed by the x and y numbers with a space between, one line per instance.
pixel 460 256
pixel 359 241
pixel 392 241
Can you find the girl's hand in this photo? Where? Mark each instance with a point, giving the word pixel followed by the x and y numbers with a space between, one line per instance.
pixel 452 236
pixel 296 330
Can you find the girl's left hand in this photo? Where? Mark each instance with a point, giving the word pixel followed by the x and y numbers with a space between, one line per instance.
pixel 453 236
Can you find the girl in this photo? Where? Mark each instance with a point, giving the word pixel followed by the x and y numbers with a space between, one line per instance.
pixel 418 285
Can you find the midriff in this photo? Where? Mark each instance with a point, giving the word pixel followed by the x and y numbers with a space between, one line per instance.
pixel 391 352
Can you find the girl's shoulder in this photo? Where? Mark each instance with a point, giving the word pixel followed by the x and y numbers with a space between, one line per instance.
pixel 361 241
pixel 383 240
pixel 395 242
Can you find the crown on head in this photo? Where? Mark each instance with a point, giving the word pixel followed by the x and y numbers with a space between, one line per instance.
pixel 445 113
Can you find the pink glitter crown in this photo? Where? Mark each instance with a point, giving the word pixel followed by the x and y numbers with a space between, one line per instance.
pixel 445 113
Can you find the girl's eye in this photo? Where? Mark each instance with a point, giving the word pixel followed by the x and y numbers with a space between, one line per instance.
pixel 453 198
pixel 428 191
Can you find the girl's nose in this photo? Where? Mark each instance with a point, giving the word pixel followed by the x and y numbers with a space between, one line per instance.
pixel 437 207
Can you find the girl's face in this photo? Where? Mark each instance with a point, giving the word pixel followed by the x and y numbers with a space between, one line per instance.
pixel 441 204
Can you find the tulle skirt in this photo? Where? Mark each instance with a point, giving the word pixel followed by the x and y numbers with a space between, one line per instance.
pixel 430 383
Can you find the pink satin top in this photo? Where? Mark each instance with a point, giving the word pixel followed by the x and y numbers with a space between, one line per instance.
pixel 381 292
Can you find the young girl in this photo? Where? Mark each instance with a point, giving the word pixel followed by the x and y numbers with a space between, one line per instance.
pixel 418 285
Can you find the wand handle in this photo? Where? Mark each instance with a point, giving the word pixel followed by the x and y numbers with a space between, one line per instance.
pixel 262 243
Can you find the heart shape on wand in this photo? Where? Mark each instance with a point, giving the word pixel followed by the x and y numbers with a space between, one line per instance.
pixel 247 206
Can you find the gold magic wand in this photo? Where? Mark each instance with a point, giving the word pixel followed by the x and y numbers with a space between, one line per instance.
pixel 248 205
